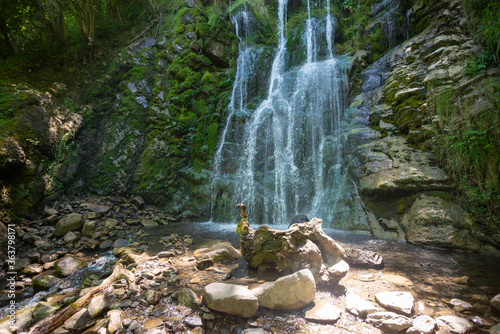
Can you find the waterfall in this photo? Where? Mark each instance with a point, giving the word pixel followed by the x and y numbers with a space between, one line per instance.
pixel 329 29
pixel 287 156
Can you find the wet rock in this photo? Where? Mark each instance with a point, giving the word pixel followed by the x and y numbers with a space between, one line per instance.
pixel 50 211
pixel 115 321
pixel 323 312
pixel 22 318
pixel 33 269
pixel 98 305
pixel 99 327
pixel 51 220
pixel 423 324
pixel 204 264
pixel 44 281
pixel 358 306
pixel 153 297
pixel 119 243
pixel 186 297
pixel 217 251
pixel 153 323
pixel 137 201
pixel 20 264
pixel 495 329
pixel 460 305
pixel 231 299
pixel 397 279
pixel 290 292
pixel 68 265
pixel 194 321
pixel 44 309
pixel 71 222
pixel 106 244
pixel 88 228
pixel 397 301
pixel 389 321
pixel 79 321
pixel 110 223
pixel 456 325
pixel 495 302
pixel 434 221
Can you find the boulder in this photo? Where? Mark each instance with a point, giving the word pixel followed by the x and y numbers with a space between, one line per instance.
pixel 495 302
pixel 231 299
pixel 44 281
pixel 70 237
pixel 433 221
pixel 116 318
pixel 323 312
pixel 33 269
pixel 389 322
pixel 397 301
pixel 461 305
pixel 71 222
pixel 456 325
pixel 110 223
pixel 217 251
pixel 290 292
pixel 21 318
pixel 423 324
pixel 358 306
pixel 68 265
pixel 194 321
pixel 153 297
pixel 361 258
pixel 186 297
pixel 98 305
pixel 302 245
pixel 98 208
pixel 495 329
pixel 331 276
pixel 88 228
pixel 137 201
pixel 79 321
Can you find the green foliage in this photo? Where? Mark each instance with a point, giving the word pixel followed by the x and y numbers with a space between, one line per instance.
pixel 468 147
pixel 479 63
pixel 484 21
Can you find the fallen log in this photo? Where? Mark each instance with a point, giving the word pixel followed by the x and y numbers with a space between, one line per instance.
pixel 48 325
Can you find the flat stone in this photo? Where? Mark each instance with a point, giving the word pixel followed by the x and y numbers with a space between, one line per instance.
pixel 396 279
pixel 44 281
pixel 194 321
pixel 217 251
pixel 456 325
pixel 397 301
pixel 22 318
pixel 289 292
pixel 110 223
pixel 68 265
pixel 389 321
pixel 70 237
pixel 231 299
pixel 137 201
pixel 33 269
pixel 45 309
pixel 154 323
pixel 423 324
pixel 78 321
pixel 119 243
pixel 323 312
pixel 461 305
pixel 98 208
pixel 358 306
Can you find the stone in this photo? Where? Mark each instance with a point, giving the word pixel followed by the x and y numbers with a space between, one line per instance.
pixel 331 276
pixel 22 318
pixel 115 321
pixel 98 208
pixel 433 221
pixel 68 265
pixel 137 201
pixel 397 301
pixel 20 264
pixel 456 325
pixel 389 322
pixel 217 251
pixel 194 321
pixel 231 299
pixel 70 237
pixel 100 326
pixel 460 305
pixel 71 222
pixel 396 279
pixel 153 297
pixel 361 258
pixel 44 281
pixel 186 297
pixel 423 324
pixel 98 305
pixel 153 323
pixel 358 306
pixel 495 302
pixel 106 244
pixel 51 220
pixel 88 228
pixel 290 292
pixel 165 254
pixel 110 223
pixel 33 269
pixel 119 243
pixel 495 329
pixel 78 321
pixel 323 312
pixel 44 310
pixel 50 211
pixel 204 264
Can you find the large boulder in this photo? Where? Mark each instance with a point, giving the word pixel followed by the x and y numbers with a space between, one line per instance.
pixel 290 292
pixel 230 298
pixel 302 245
pixel 68 265
pixel 217 251
pixel 437 222
pixel 71 222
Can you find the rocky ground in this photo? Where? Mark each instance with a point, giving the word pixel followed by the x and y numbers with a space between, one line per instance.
pixel 167 286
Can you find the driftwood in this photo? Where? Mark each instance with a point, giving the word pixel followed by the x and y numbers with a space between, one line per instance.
pixel 303 245
pixel 48 325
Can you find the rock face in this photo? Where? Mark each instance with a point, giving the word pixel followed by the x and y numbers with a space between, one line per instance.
pixel 397 301
pixel 436 222
pixel 71 222
pixel 303 245
pixel 231 299
pixel 289 292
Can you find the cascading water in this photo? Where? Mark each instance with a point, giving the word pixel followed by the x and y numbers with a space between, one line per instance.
pixel 286 158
